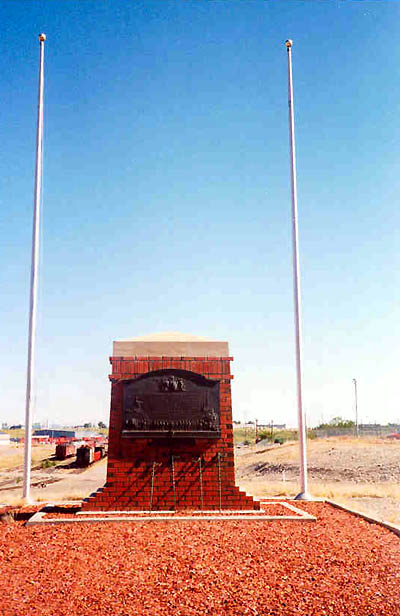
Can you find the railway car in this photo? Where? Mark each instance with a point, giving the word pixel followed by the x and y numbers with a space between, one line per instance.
pixel 101 450
pixel 85 455
pixel 90 452
pixel 65 450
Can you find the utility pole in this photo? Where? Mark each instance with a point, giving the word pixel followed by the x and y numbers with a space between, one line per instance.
pixel 34 279
pixel 356 407
pixel 303 494
pixel 256 429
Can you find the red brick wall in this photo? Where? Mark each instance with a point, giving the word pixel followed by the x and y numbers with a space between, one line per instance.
pixel 130 460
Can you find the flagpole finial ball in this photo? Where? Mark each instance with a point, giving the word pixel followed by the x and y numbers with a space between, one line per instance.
pixel 42 37
pixel 289 43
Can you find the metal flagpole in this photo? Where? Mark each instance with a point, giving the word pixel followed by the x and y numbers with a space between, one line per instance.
pixel 303 494
pixel 34 279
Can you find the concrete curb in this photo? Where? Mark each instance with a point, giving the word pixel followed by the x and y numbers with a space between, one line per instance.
pixel 83 518
pixel 394 528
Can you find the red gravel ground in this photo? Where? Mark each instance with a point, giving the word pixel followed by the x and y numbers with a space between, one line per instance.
pixel 339 565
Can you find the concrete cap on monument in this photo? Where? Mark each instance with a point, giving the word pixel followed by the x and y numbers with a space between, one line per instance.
pixel 170 344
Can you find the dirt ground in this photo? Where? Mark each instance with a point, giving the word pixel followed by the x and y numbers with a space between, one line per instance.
pixel 64 481
pixel 361 473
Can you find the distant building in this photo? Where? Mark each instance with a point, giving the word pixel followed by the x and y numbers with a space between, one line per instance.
pixel 55 433
pixel 82 434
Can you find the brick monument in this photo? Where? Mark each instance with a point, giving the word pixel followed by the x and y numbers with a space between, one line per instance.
pixel 171 436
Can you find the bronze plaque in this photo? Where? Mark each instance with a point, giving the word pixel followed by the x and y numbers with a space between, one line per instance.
pixel 171 404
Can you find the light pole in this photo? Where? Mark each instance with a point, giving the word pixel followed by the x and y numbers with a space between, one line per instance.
pixel 34 280
pixel 303 494
pixel 356 406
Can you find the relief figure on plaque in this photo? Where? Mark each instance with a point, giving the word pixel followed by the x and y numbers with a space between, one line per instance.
pixel 171 383
pixel 210 419
pixel 135 417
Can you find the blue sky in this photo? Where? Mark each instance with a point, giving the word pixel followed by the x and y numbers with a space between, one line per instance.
pixel 166 201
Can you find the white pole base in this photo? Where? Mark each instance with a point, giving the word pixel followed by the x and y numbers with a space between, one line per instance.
pixel 28 500
pixel 305 496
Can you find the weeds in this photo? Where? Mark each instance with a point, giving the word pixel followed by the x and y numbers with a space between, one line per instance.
pixel 47 463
